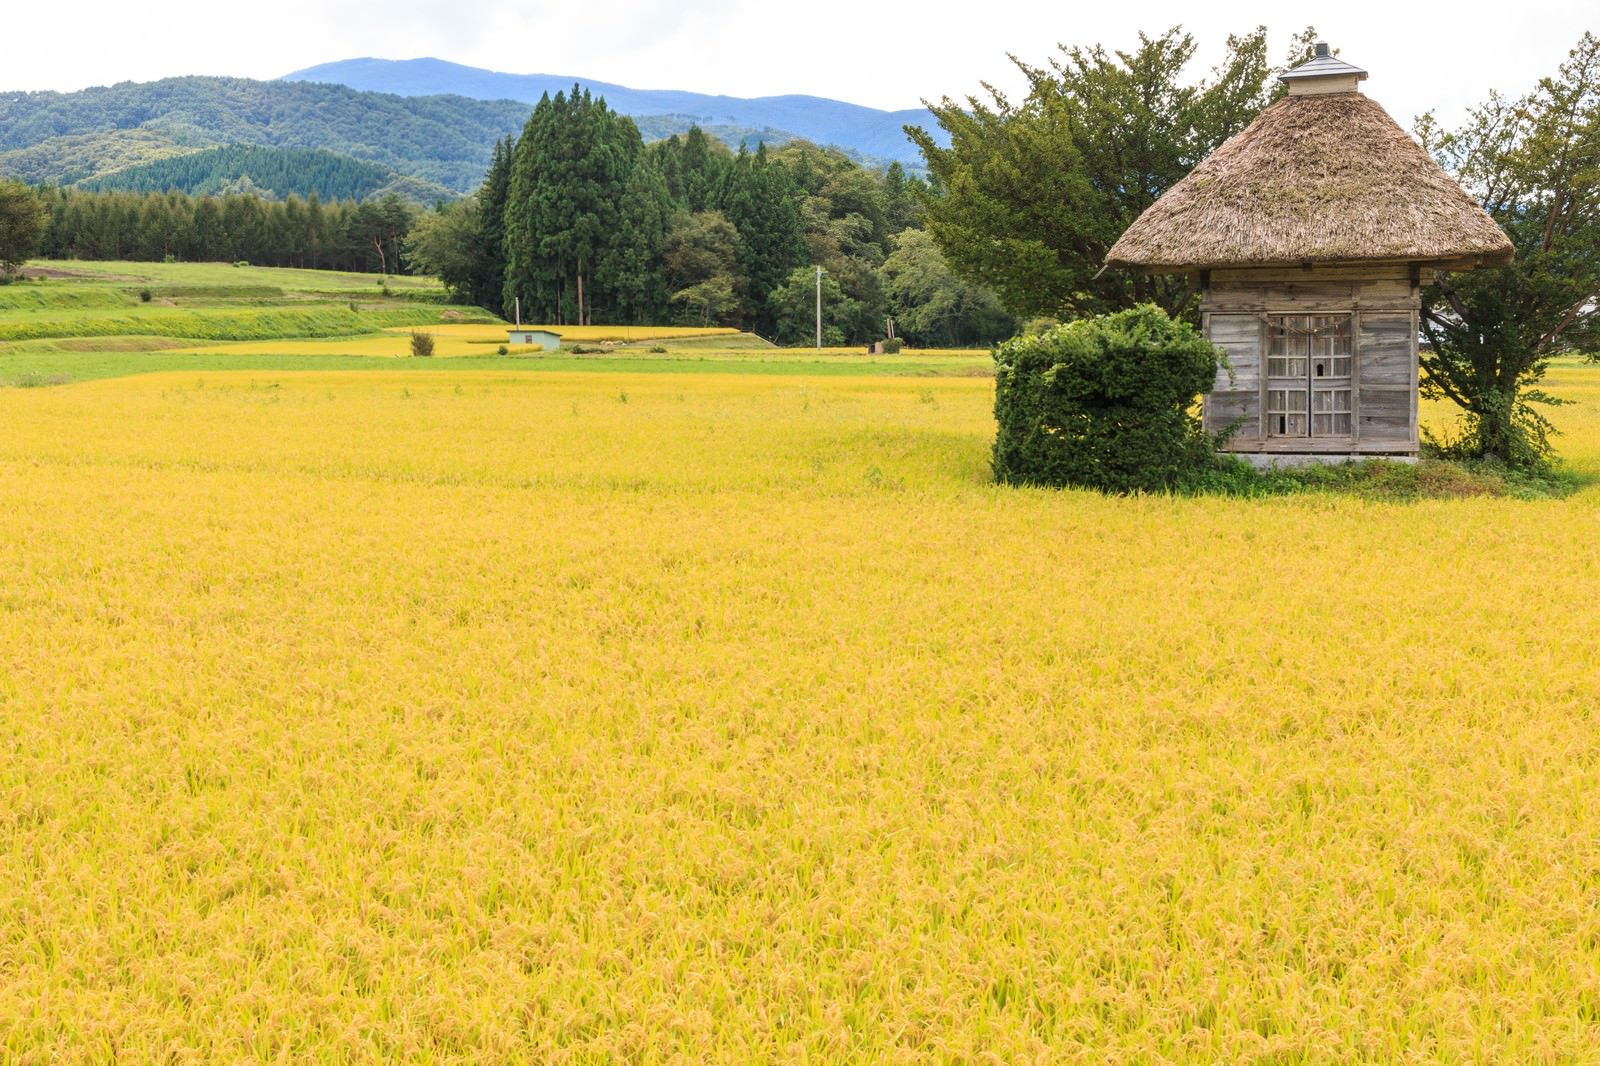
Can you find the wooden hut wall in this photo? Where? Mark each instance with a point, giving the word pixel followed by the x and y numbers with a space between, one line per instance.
pixel 1383 306
pixel 1387 383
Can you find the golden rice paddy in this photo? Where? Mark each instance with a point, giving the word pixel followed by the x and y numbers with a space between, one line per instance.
pixel 627 334
pixel 478 717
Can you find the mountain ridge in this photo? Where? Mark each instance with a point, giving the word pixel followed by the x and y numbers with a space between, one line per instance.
pixel 868 131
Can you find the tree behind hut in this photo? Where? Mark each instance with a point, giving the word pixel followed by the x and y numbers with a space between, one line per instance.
pixel 1534 164
pixel 1029 196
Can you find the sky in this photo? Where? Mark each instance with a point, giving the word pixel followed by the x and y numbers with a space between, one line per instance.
pixel 886 55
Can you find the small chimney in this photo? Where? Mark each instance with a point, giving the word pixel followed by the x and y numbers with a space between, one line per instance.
pixel 1323 73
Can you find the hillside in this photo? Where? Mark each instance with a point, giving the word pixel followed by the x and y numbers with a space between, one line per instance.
pixel 864 130
pixel 68 137
pixel 280 172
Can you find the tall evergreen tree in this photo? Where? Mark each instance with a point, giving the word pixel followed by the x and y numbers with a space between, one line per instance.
pixel 632 264
pixel 569 174
pixel 760 202
pixel 487 281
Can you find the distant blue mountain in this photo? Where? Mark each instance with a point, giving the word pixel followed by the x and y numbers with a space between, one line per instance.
pixel 865 130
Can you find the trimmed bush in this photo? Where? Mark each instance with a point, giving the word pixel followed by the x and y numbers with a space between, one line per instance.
pixel 1105 403
pixel 891 346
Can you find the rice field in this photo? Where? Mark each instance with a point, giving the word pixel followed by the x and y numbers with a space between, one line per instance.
pixel 533 716
pixel 496 333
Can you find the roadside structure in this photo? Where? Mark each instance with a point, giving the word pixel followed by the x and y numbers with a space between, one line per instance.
pixel 541 338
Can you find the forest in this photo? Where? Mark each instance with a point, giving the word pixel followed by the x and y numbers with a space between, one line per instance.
pixel 581 222
pixel 238 227
pixel 269 173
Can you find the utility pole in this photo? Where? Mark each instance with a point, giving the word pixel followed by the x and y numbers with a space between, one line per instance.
pixel 819 309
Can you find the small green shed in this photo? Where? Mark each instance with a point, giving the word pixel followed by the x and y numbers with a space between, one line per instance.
pixel 544 338
pixel 1310 234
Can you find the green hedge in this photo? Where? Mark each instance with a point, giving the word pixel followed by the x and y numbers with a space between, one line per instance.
pixel 1105 403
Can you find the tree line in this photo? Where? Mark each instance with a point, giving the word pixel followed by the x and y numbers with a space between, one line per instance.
pixel 151 227
pixel 579 221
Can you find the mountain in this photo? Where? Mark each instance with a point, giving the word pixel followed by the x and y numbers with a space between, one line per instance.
pixel 863 130
pixel 430 143
pixel 69 137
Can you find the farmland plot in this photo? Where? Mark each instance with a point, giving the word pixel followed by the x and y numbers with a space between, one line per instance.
pixel 576 717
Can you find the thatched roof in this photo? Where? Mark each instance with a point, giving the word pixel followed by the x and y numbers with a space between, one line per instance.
pixel 1318 178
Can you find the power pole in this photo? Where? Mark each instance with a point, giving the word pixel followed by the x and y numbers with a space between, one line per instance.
pixel 819 309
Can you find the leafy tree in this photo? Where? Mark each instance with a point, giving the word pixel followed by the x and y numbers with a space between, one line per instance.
pixel 1029 196
pixel 695 168
pixel 701 255
pixel 487 283
pixel 22 221
pixel 381 226
pixel 710 302
pixel 844 212
pixel 444 242
pixel 632 265
pixel 931 305
pixel 1534 164
pixel 794 309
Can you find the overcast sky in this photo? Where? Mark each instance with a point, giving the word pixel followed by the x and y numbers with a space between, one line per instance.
pixel 888 55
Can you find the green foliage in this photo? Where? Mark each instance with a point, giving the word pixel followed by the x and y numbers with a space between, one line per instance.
pixel 632 264
pixel 1534 164
pixel 63 160
pixel 932 306
pixel 569 175
pixel 21 226
pixel 1382 479
pixel 794 310
pixel 1028 197
pixel 421 343
pixel 760 203
pixel 701 254
pixel 157 227
pixel 1105 403
pixel 444 242
pixel 892 345
pixel 268 173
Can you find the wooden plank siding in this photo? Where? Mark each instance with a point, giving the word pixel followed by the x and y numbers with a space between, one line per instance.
pixel 1236 398
pixel 1388 389
pixel 1383 307
pixel 1310 297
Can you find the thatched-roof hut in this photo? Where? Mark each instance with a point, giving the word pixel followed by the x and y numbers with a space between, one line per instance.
pixel 1309 232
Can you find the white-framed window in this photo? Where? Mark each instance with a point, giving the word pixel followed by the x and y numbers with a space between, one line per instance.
pixel 1309 361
